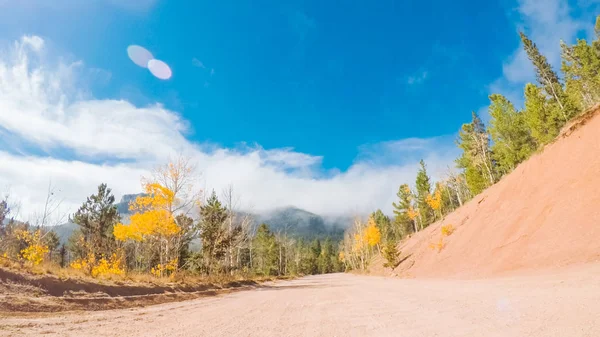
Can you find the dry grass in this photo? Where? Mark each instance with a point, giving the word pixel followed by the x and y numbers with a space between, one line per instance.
pixel 49 288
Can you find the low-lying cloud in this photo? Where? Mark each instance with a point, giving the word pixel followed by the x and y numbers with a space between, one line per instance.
pixel 49 131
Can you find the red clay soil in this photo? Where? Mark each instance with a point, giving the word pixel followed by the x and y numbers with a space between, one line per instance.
pixel 543 215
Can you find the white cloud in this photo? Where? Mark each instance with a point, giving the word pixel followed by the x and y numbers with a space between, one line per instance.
pixel 34 42
pixel 418 78
pixel 546 22
pixel 51 131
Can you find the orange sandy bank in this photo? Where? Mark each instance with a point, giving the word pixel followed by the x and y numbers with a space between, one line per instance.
pixel 545 214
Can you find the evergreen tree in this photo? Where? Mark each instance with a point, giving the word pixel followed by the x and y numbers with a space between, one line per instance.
pixel 96 219
pixel 63 256
pixel 511 136
pixel 385 226
pixel 185 237
pixel 324 261
pixel 266 251
pixel 548 78
pixel 581 66
pixel 476 159
pixel 215 237
pixel 404 224
pixel 539 116
pixel 423 186
pixel 390 253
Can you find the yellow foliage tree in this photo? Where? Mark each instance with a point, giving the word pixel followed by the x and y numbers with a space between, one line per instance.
pixel 435 202
pixel 35 251
pixel 102 267
pixel 413 214
pixel 153 222
pixel 372 233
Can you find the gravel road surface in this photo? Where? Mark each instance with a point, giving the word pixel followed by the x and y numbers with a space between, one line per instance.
pixel 562 304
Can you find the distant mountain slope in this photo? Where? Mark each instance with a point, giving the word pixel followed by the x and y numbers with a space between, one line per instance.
pixel 296 222
pixel 303 224
pixel 123 205
pixel 64 231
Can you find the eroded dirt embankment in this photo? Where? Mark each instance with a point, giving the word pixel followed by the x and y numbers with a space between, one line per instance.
pixel 545 214
pixel 23 292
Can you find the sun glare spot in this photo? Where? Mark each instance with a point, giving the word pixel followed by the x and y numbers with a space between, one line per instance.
pixel 139 55
pixel 159 69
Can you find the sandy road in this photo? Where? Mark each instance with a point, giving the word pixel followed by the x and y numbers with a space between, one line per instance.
pixel 563 304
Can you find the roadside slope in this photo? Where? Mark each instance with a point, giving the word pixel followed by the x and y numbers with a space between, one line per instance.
pixel 544 214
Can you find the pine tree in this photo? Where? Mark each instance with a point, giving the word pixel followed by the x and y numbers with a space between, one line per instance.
pixel 476 159
pixel 547 78
pixel 63 256
pixel 423 191
pixel 385 225
pixel 185 237
pixel 215 237
pixel 324 260
pixel 402 221
pixel 539 115
pixel 390 253
pixel 511 136
pixel 581 66
pixel 266 251
pixel 96 219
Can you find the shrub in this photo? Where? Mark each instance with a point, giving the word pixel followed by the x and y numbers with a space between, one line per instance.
pixel 390 253
pixel 447 230
pixel 35 251
pixel 438 245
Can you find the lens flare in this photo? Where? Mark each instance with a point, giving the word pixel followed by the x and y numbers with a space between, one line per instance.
pixel 159 69
pixel 139 55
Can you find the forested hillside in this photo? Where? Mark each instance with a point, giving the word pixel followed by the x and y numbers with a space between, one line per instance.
pixel 488 153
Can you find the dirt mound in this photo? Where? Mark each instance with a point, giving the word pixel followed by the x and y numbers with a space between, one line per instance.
pixel 24 292
pixel 545 214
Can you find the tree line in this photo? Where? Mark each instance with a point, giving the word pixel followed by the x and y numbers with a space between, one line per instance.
pixel 163 224
pixel 489 152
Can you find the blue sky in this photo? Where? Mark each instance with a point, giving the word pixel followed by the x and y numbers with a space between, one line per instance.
pixel 337 86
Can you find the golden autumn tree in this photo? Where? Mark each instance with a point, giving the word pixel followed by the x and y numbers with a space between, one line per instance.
pixel 358 245
pixel 435 202
pixel 152 222
pixel 35 249
pixel 372 234
pixel 413 215
pixel 155 229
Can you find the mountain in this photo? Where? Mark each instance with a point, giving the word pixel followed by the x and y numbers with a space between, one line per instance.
pixel 64 231
pixel 296 222
pixel 123 205
pixel 303 224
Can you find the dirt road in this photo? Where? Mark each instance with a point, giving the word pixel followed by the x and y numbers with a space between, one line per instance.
pixel 551 304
